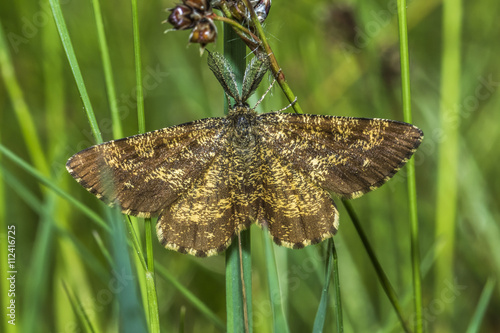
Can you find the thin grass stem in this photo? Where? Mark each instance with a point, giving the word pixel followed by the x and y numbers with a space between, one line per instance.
pixel 410 167
pixel 280 323
pixel 384 281
pixel 482 306
pixel 79 310
pixel 338 300
pixel 234 51
pixel 153 316
pixel 321 313
pixel 141 119
pixel 75 68
pixel 195 301
pixel 108 72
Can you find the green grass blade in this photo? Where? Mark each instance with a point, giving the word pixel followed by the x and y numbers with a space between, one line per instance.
pixel 79 310
pixel 35 294
pixel 336 283
pixel 323 308
pixel 131 314
pixel 64 237
pixel 17 186
pixel 138 69
pixel 23 114
pixel 280 323
pixel 139 261
pixel 195 301
pixel 102 247
pixel 108 71
pixel 75 68
pixel 234 51
pixel 50 184
pixel 54 105
pixel 482 306
pixel 153 316
pixel 448 158
pixel 136 243
pixel 384 281
pixel 34 203
pixel 319 321
pixel 410 167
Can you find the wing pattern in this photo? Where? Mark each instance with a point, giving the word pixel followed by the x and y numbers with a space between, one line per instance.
pixel 145 173
pixel 348 156
pixel 296 211
pixel 207 180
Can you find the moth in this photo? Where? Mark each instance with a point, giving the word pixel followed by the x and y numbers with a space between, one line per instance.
pixel 209 179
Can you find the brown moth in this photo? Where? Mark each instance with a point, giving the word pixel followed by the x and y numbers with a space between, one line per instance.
pixel 209 179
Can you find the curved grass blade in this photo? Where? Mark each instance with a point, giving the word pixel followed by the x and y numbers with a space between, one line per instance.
pixel 79 310
pixel 336 283
pixel 384 281
pixel 131 314
pixel 331 265
pixel 280 323
pixel 21 110
pixel 50 184
pixel 482 306
pixel 75 68
pixel 195 301
pixel 35 294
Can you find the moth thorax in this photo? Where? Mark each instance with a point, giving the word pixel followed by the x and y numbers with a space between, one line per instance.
pixel 243 121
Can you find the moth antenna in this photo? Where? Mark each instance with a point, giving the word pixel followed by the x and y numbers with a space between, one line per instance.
pixel 288 106
pixel 263 96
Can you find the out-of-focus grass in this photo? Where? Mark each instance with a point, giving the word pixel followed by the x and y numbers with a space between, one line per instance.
pixel 335 65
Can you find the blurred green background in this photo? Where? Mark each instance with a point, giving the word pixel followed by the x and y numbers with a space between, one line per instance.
pixel 340 58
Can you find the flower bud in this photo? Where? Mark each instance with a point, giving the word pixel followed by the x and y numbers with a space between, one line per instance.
pixel 180 18
pixel 204 32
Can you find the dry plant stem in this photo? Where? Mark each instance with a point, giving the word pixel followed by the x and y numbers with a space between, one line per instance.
pixel 259 42
pixel 243 289
pixel 278 73
pixel 239 29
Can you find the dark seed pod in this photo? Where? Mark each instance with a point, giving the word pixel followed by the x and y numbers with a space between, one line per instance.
pixel 204 32
pixel 199 5
pixel 180 18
